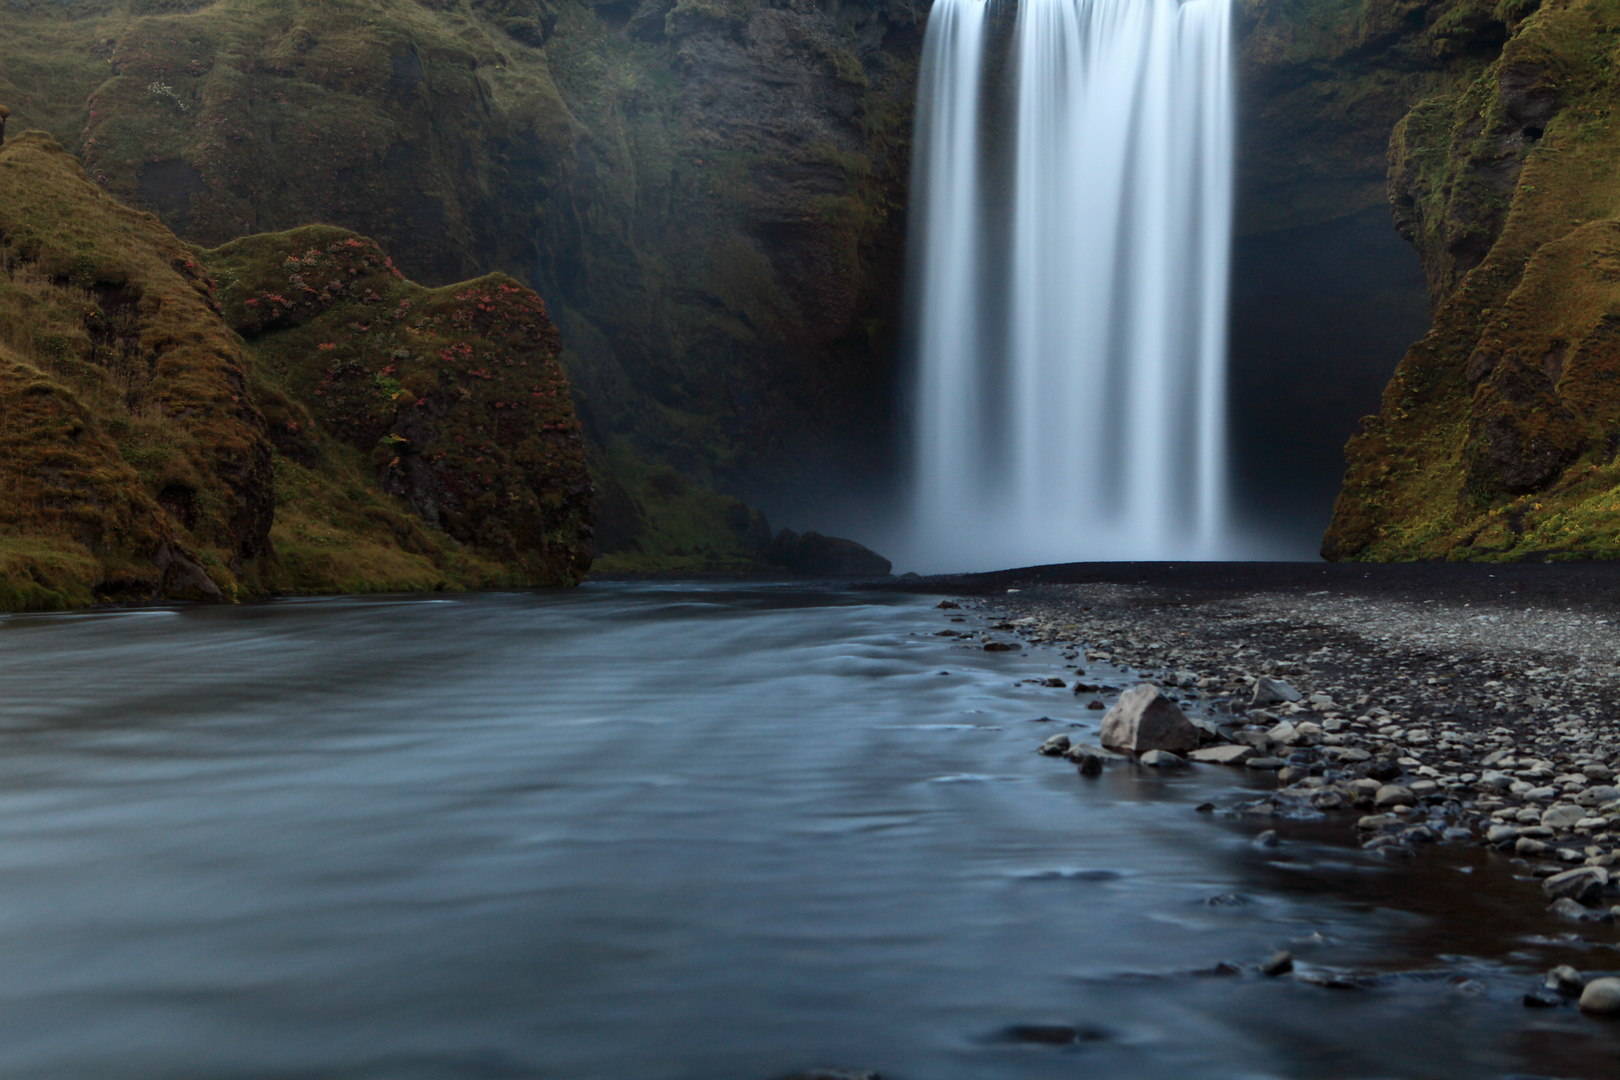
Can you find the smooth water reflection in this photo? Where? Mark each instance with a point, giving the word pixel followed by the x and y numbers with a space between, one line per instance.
pixel 671 831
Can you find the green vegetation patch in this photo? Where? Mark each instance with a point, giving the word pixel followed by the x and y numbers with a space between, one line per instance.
pixel 1497 436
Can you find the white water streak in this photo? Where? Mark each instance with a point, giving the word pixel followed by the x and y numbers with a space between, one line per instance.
pixel 1071 383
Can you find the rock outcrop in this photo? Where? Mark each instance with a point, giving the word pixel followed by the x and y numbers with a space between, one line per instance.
pixel 284 413
pixel 453 394
pixel 707 194
pixel 1498 432
pixel 814 555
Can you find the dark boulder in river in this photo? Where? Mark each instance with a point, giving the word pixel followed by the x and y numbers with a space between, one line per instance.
pixel 825 556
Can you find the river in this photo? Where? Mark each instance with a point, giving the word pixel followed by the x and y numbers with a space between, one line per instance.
pixel 677 831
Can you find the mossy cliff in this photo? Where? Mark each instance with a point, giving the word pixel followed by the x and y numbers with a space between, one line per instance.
pixel 1497 436
pixel 285 413
pixel 1323 82
pixel 706 193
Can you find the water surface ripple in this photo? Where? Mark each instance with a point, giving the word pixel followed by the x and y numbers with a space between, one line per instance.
pixel 675 831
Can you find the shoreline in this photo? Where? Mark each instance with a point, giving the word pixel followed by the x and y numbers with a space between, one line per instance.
pixel 1437 703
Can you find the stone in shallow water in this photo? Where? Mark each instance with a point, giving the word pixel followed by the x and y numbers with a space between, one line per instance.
pixel 1601 997
pixel 1566 980
pixel 1050 1034
pixel 1144 719
pixel 1565 908
pixel 1278 964
pixel 1162 759
pixel 1583 884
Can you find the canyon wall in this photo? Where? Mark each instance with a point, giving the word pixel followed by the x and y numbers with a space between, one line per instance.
pixel 1497 436
pixel 710 197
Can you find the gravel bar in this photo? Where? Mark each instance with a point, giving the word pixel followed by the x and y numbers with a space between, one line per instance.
pixel 1420 704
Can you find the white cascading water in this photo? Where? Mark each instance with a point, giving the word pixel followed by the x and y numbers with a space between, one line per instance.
pixel 1073 221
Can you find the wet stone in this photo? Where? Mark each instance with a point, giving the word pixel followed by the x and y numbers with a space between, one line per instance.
pixel 1561 816
pixel 1280 963
pixel 1601 997
pixel 1230 754
pixel 1566 980
pixel 1584 884
pixel 1393 795
pixel 1268 691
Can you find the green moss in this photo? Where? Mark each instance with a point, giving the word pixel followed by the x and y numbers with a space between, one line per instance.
pixel 454 394
pixel 684 525
pixel 371 435
pixel 1497 435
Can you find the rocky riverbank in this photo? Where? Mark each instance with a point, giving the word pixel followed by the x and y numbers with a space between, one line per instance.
pixel 1483 714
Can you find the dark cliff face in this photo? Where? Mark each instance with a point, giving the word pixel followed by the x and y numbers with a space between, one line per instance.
pixel 725 253
pixel 709 195
pixel 1326 296
pixel 1498 432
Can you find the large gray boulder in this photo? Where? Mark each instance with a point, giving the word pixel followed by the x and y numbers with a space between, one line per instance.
pixel 1144 719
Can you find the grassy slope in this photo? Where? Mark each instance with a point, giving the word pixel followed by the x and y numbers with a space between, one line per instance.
pixel 105 306
pixel 1497 435
pixel 146 449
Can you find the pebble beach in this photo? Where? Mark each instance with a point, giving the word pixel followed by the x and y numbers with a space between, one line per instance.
pixel 1480 709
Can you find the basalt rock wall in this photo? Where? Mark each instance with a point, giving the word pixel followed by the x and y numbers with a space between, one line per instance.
pixel 1497 435
pixel 709 195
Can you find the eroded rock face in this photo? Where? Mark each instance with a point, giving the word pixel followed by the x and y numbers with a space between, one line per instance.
pixel 455 394
pixel 707 194
pixel 135 436
pixel 149 452
pixel 1498 430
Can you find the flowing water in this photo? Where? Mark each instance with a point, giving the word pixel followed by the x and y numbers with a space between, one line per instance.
pixel 681 831
pixel 1073 203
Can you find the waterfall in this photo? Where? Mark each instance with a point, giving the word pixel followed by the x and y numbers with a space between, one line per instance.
pixel 1072 208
